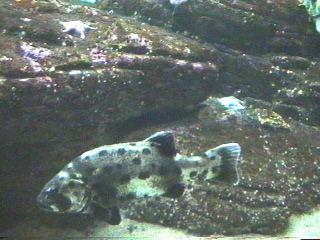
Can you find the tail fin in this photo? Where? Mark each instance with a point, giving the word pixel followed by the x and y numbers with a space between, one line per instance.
pixel 229 155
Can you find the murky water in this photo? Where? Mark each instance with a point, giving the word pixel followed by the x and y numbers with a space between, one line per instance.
pixel 76 75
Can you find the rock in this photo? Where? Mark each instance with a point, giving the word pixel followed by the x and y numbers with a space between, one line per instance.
pixel 118 72
pixel 61 95
pixel 291 62
pixel 58 91
pixel 278 179
pixel 252 26
pixel 215 109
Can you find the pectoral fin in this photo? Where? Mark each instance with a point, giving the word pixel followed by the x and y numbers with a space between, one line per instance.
pixel 110 215
pixel 174 190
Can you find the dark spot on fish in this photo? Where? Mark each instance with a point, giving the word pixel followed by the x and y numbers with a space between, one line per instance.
pixel 202 175
pixel 163 171
pixel 121 151
pixel 119 166
pixel 146 151
pixel 175 190
pixel 89 170
pixel 177 171
pixel 106 193
pixel 197 163
pixel 87 158
pixel 144 175
pixel 212 157
pixel 136 161
pixel 125 179
pixel 193 174
pixel 103 153
pixel 63 203
pixel 146 195
pixel 153 166
pixel 71 184
pixel 61 178
pixel 132 144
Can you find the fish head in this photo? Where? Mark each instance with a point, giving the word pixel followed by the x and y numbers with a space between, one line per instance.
pixel 64 194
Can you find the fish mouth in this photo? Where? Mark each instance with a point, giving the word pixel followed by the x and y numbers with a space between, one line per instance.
pixel 45 206
pixel 86 206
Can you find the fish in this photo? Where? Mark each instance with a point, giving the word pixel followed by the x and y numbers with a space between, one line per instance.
pixel 100 180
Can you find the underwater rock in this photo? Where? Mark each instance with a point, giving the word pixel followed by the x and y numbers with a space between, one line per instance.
pixel 117 72
pixel 231 103
pixel 61 95
pixel 231 109
pixel 291 62
pixel 278 179
pixel 252 26
pixel 77 28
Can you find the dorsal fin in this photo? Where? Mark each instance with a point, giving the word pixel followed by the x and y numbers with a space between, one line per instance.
pixel 164 141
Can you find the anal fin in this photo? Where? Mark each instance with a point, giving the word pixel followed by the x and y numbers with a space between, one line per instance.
pixel 110 215
pixel 174 190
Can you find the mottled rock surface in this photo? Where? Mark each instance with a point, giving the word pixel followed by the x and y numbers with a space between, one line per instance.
pixel 279 178
pixel 256 26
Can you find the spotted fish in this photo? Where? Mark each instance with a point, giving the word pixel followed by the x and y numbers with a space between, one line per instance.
pixel 100 180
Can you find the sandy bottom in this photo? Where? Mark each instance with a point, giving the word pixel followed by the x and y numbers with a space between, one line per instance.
pixel 306 226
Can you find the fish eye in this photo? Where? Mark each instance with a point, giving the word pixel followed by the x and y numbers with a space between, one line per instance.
pixel 52 191
pixel 62 178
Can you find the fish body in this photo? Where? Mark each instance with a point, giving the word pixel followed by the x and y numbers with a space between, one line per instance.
pixel 100 180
